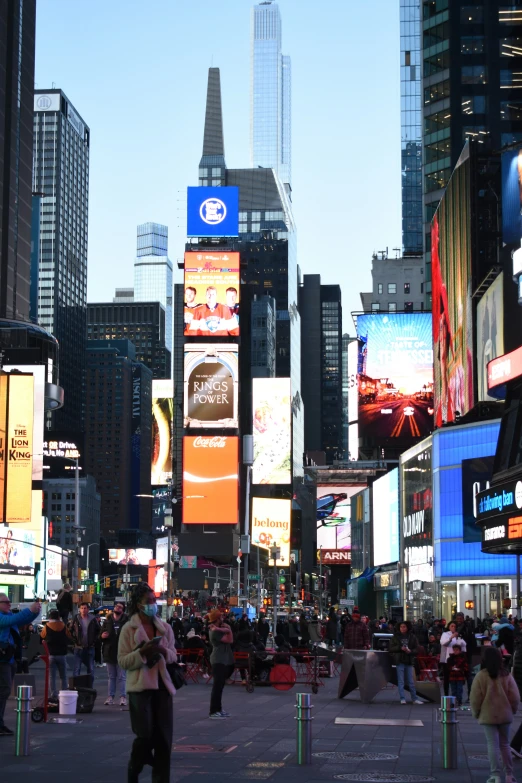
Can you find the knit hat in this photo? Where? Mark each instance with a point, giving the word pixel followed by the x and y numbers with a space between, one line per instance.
pixel 191 633
pixel 356 612
pixel 214 615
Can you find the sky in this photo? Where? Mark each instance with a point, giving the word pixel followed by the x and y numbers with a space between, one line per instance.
pixel 137 72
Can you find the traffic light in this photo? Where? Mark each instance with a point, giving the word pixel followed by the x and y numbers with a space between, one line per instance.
pixel 91 589
pixel 107 581
pixel 118 583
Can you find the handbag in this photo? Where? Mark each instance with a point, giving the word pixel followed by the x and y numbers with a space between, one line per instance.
pixel 176 675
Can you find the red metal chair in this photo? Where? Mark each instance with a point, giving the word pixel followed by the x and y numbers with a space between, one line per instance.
pixel 194 663
pixel 428 668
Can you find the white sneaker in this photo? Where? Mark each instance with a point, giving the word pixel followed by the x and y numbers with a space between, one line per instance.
pixel 216 716
pixel 205 676
pixel 417 701
pixel 403 701
pixel 109 701
pixel 123 701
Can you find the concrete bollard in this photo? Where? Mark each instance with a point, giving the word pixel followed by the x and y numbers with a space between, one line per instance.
pixel 23 720
pixel 304 728
pixel 448 722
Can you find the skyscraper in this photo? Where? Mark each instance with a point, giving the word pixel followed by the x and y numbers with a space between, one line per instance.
pixel 153 271
pixel 271 98
pixel 411 128
pixel 61 173
pixel 17 25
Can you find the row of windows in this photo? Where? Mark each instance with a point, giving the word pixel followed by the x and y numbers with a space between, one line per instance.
pixel 392 307
pixel 392 288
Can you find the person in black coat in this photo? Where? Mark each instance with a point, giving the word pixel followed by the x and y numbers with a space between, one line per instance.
pixel 109 638
pixel 403 647
pixel 332 627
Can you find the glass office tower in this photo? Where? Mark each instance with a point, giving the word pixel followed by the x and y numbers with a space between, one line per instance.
pixel 411 129
pixel 153 271
pixel 270 102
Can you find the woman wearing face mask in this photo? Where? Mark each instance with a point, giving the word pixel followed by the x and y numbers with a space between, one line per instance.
pixel 145 648
pixel 110 636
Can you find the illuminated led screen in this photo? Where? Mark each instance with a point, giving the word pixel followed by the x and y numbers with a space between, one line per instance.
pixel 271 526
pixel 162 430
pixel 210 480
pixel 272 427
pixel 212 293
pixel 211 386
pixel 385 518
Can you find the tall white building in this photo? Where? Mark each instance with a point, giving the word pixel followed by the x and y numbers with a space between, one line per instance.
pixel 270 98
pixel 153 271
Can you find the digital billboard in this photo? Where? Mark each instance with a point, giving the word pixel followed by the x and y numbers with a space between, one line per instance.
pixel 490 333
pixel 271 521
pixel 272 427
pixel 213 212
pixel 60 451
pixel 452 303
pixel 395 375
pixel 161 501
pixel 162 557
pixel 211 386
pixel 130 556
pixel 210 480
pixel 334 516
pixel 212 290
pixel 39 374
pixel 18 456
pixel 162 431
pixel 385 518
pixel 512 197
pixel 353 400
pixel 17 551
pixel 476 477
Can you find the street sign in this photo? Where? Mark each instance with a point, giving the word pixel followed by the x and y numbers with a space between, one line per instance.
pixel 216 586
pixel 254 577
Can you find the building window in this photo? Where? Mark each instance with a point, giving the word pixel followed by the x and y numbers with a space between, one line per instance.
pixel 375 306
pixel 472 44
pixel 392 307
pixel 474 74
pixel 474 104
pixel 422 288
pixel 471 14
pixel 392 288
pixel 406 288
pixel 379 288
pixel 408 307
pixel 511 110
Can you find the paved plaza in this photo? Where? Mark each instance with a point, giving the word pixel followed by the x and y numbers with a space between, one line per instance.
pixel 256 743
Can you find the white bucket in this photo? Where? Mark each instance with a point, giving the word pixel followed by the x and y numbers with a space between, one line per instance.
pixel 68 700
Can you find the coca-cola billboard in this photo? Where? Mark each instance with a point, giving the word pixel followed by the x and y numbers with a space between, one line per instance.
pixel 210 480
pixel 211 386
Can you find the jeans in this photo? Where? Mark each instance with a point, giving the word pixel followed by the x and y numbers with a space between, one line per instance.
pixel 220 673
pixel 6 679
pixel 152 721
pixel 497 738
pixel 58 663
pixel 402 669
pixel 84 655
pixel 457 689
pixel 117 676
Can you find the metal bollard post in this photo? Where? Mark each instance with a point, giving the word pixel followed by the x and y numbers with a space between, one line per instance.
pixel 23 720
pixel 304 728
pixel 448 721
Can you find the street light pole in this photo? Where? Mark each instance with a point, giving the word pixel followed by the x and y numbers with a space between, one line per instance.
pixel 95 543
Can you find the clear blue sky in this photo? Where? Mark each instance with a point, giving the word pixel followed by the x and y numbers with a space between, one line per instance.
pixel 137 73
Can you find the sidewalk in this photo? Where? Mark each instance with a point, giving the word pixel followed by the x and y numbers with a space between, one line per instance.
pixel 257 743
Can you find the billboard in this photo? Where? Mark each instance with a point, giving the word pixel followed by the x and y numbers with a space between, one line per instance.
pixel 162 431
pixel 490 333
pixel 17 551
pixel 272 428
pixel 512 198
pixel 395 375
pixel 271 521
pixel 18 456
pixel 212 290
pixel 210 480
pixel 40 375
pixel 130 556
pixel 161 500
pixel 452 304
pixel 54 556
pixel 385 518
pixel 334 529
pixel 213 212
pixel 59 451
pixel 162 556
pixel 353 400
pixel 210 397
pixel 476 477
pixel 417 530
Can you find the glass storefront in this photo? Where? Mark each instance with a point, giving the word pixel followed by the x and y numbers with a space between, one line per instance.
pixel 474 598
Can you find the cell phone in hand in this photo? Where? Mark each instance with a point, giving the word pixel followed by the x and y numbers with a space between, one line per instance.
pixel 156 639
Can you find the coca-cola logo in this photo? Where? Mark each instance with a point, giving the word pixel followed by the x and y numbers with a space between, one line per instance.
pixel 217 442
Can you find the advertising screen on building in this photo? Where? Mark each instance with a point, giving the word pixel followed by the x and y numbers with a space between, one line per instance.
pixel 213 212
pixel 162 431
pixel 162 556
pixel 417 531
pixel 211 386
pixel 452 303
pixel 212 292
pixel 18 456
pixel 17 551
pixel 130 556
pixel 272 427
pixel 334 515
pixel 476 477
pixel 271 521
pixel 353 400
pixel 40 376
pixel 490 333
pixel 385 518
pixel 60 450
pixel 512 198
pixel 161 501
pixel 210 480
pixel 396 375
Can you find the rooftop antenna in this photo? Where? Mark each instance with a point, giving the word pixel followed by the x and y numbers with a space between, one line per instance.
pixel 397 252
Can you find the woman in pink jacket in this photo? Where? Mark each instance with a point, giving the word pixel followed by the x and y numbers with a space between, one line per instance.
pixel 494 701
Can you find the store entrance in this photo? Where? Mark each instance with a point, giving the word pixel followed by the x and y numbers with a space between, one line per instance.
pixel 476 599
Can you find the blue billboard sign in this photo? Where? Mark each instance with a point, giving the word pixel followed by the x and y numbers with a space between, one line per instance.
pixel 213 212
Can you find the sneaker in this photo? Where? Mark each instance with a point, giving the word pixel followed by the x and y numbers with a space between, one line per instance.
pixel 516 753
pixel 110 700
pixel 216 716
pixel 510 779
pixel 403 701
pixel 205 676
pixel 417 701
pixel 123 701
pixel 493 779
pixel 225 714
pixel 5 732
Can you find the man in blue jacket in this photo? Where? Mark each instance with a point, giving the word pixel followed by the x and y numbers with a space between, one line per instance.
pixel 10 646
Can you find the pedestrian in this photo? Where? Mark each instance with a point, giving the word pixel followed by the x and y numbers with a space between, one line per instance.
pixel 447 640
pixel 110 638
pixel 458 672
pixel 466 631
pixel 222 661
pixel 64 602
pixel 11 649
pixel 57 637
pixel 85 631
pixel 494 701
pixel 332 627
pixel 146 647
pixel 356 634
pixel 314 630
pixel 263 629
pixel 402 647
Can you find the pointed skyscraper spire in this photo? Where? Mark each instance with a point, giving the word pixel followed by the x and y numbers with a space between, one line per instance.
pixel 213 140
